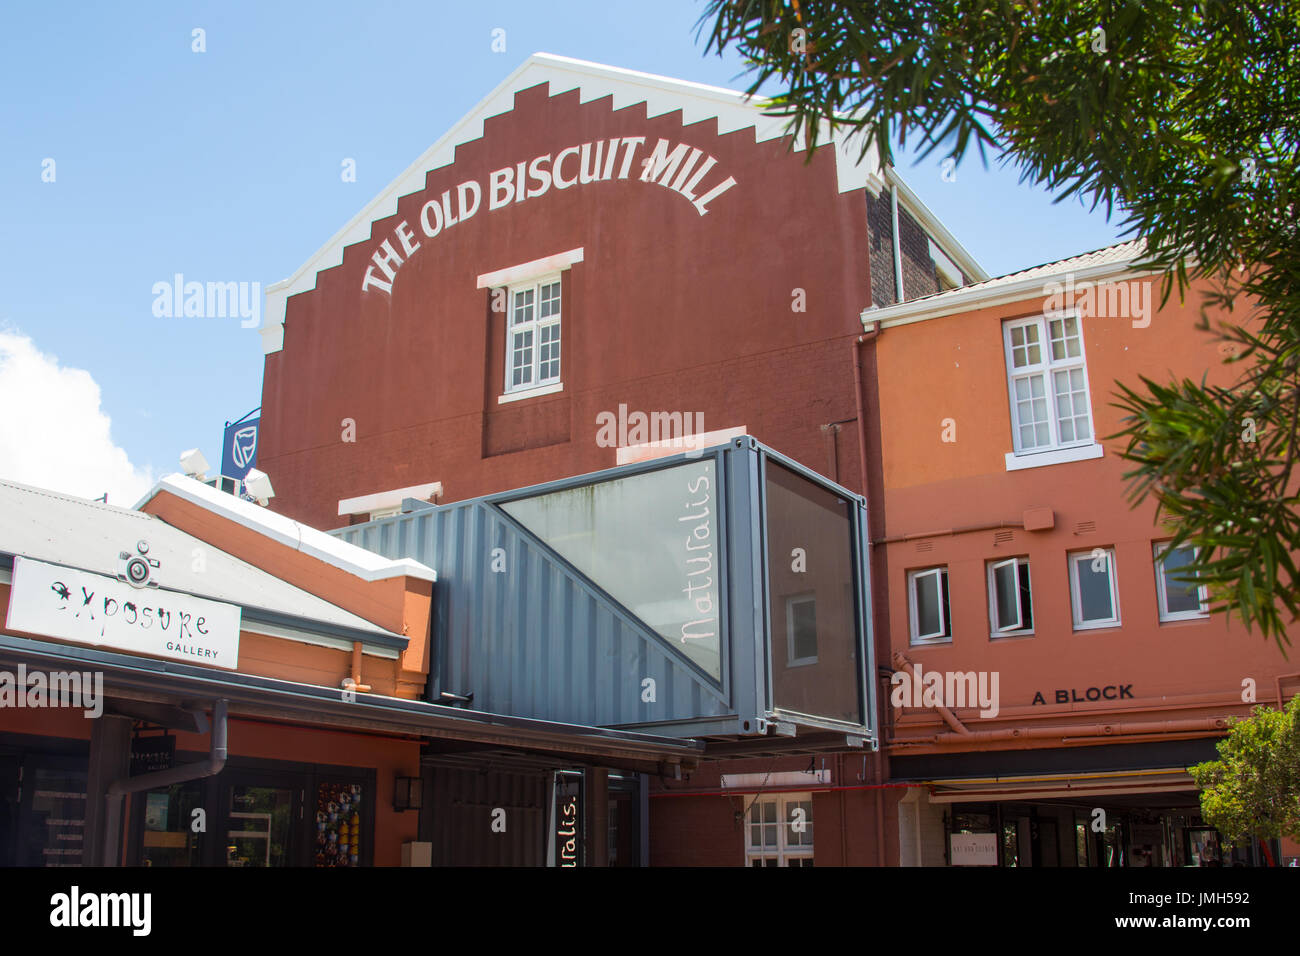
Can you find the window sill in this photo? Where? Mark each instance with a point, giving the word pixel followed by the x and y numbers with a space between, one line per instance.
pixel 1059 456
pixel 531 393
pixel 1185 618
pixel 1099 626
pixel 930 641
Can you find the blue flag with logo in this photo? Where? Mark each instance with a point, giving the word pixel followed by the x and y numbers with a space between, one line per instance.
pixel 239 450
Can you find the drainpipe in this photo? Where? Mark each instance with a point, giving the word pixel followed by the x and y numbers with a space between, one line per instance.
pixel 879 756
pixel 949 718
pixel 118 789
pixel 355 679
pixel 898 247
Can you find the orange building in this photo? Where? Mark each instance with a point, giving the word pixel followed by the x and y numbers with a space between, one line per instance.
pixel 1072 678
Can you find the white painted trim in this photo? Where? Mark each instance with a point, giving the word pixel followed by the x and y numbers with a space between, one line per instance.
pixel 364 504
pixel 306 637
pixel 531 392
pixel 931 224
pixel 528 270
pixel 945 266
pixel 697 102
pixel 1057 456
pixel 645 451
pixel 347 557
pixel 782 778
pixel 968 298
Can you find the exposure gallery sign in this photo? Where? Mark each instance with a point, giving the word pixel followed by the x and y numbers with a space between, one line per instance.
pixel 679 169
pixel 95 609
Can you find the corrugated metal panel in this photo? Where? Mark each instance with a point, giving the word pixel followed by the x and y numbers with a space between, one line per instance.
pixel 534 640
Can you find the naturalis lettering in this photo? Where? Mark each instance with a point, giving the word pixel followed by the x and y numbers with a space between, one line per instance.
pixel 950 689
pixel 699 563
pixel 677 168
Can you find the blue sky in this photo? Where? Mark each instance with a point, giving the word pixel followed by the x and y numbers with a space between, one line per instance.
pixel 225 166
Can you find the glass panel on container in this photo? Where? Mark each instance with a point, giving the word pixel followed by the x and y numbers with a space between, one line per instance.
pixel 810 551
pixel 650 541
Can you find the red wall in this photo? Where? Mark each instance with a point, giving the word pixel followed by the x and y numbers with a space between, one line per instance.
pixel 669 311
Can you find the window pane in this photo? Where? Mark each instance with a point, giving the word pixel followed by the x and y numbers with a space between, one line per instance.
pixel 523 307
pixel 1179 597
pixel 1026 596
pixel 1006 592
pixel 803 640
pixel 651 541
pixel 1094 589
pixel 927 605
pixel 550 300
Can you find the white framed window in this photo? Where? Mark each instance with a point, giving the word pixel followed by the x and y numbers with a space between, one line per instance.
pixel 1047 381
pixel 1094 588
pixel 1179 600
pixel 1011 603
pixel 779 830
pixel 927 598
pixel 801 629
pixel 533 334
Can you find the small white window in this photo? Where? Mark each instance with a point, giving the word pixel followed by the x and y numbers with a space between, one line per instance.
pixel 533 334
pixel 1047 380
pixel 1179 600
pixel 1094 589
pixel 801 629
pixel 927 593
pixel 1011 605
pixel 779 831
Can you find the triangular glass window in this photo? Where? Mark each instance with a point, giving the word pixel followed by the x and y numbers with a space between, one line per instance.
pixel 651 542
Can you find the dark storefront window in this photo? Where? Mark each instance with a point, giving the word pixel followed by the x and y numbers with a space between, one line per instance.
pixel 650 540
pixel 810 558
pixel 54 817
pixel 169 837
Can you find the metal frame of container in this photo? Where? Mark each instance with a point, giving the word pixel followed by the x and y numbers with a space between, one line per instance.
pixel 743 699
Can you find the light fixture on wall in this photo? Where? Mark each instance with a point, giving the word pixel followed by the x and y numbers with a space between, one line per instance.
pixel 408 793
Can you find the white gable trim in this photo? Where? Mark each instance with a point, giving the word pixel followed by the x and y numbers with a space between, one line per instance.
pixel 697 102
pixel 347 557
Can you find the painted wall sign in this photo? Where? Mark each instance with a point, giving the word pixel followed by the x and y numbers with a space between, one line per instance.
pixel 239 448
pixel 678 169
pixel 88 608
pixel 568 819
pixel 973 849
pixel 1090 695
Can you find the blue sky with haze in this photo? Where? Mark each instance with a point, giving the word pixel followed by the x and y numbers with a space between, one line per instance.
pixel 225 166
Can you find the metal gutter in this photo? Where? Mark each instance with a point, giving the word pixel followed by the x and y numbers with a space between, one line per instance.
pixel 158 679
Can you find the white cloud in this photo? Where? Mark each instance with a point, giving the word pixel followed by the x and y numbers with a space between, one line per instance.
pixel 53 433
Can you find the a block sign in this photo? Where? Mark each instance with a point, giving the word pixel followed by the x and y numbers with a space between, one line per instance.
pixel 973 849
pixel 88 608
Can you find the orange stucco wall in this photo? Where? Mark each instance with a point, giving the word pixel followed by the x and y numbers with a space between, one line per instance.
pixel 947 378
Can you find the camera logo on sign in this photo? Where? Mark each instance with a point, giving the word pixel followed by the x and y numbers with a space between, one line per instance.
pixel 139 567
pixel 243 446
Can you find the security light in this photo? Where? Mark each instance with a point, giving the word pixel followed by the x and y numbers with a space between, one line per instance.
pixel 257 485
pixel 194 464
